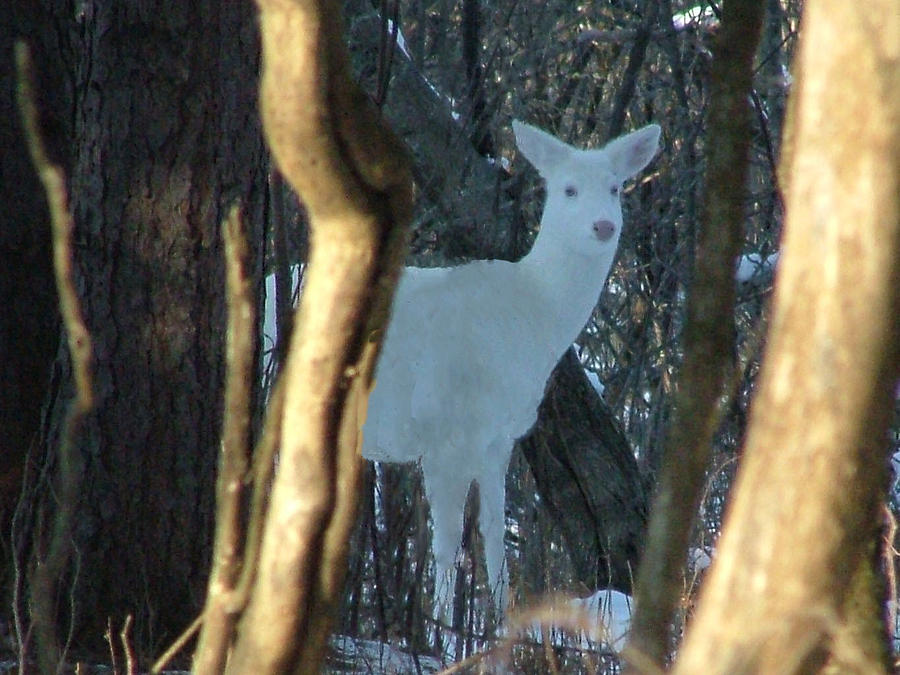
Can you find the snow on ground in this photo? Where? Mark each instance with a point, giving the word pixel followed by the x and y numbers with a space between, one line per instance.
pixel 601 619
pixel 352 655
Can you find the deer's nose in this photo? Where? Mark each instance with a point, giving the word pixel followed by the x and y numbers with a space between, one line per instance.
pixel 604 230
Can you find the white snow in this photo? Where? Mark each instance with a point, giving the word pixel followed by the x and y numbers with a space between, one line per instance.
pixel 354 655
pixel 700 15
pixel 469 348
pixel 601 618
pixel 699 559
pixel 401 41
pixel 753 266
pixel 595 382
pixel 270 318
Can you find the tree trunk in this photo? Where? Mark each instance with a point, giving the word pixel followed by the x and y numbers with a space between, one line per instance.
pixel 793 586
pixel 588 477
pixel 352 176
pixel 157 161
pixel 708 337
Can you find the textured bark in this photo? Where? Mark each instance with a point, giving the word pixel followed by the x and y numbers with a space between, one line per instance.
pixel 587 476
pixel 448 169
pixel 156 161
pixel 793 585
pixel 708 337
pixel 352 176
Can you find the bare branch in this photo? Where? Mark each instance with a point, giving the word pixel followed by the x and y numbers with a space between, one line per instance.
pixel 794 585
pixel 708 335
pixel 218 619
pixel 52 567
pixel 353 178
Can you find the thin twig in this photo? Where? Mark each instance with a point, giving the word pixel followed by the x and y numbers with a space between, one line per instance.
pixel 108 636
pixel 127 647
pixel 52 568
pixel 177 645
pixel 263 468
pixel 218 624
pixel 890 569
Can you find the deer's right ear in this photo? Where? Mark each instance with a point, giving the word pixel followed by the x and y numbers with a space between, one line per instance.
pixel 540 148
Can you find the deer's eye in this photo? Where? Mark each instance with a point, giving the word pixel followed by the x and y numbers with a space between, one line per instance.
pixel 614 190
pixel 571 191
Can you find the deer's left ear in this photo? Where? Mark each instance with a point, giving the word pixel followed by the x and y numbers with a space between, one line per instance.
pixel 630 153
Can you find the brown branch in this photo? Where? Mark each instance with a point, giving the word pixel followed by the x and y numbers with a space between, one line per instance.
pixel 636 57
pixel 52 567
pixel 176 646
pixel 795 586
pixel 127 647
pixel 353 179
pixel 218 619
pixel 708 336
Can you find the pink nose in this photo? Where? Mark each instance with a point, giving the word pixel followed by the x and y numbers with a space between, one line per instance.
pixel 604 230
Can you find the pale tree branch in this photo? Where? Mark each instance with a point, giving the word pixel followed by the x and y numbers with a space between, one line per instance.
pixel 353 178
pixel 708 338
pixel 794 588
pixel 218 616
pixel 53 564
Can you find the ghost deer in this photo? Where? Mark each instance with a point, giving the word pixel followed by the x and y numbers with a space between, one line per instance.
pixel 470 348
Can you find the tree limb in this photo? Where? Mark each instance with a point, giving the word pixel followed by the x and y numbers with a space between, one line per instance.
pixel 794 584
pixel 353 178
pixel 708 335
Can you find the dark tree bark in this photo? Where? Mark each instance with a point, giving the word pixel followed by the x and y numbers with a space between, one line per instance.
pixel 587 476
pixel 165 138
pixel 447 168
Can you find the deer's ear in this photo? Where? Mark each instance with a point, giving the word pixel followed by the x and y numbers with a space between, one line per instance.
pixel 630 153
pixel 545 152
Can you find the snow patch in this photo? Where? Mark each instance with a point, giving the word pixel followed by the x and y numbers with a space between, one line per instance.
pixel 595 382
pixel 699 560
pixel 701 16
pixel 270 315
pixel 358 656
pixel 753 267
pixel 599 619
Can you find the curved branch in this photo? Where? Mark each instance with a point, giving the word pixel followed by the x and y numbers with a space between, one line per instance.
pixel 708 337
pixel 352 176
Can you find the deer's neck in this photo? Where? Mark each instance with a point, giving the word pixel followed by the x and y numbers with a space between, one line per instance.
pixel 566 287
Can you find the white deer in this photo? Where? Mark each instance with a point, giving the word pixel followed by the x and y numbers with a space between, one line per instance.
pixel 469 349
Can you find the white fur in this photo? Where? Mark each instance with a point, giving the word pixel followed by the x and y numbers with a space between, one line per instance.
pixel 469 348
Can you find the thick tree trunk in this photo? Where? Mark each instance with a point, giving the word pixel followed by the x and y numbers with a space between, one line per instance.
pixel 793 586
pixel 708 337
pixel 352 176
pixel 157 160
pixel 588 477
